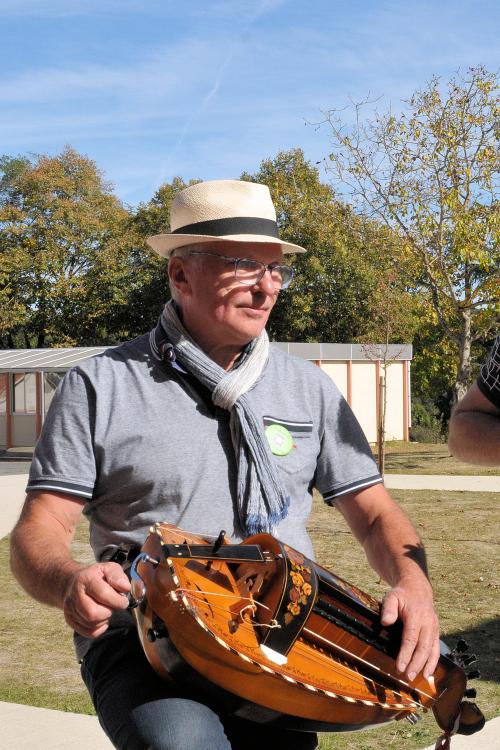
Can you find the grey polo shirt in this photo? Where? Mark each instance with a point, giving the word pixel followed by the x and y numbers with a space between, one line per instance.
pixel 140 441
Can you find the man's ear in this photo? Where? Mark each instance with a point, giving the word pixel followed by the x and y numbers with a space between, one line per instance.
pixel 177 275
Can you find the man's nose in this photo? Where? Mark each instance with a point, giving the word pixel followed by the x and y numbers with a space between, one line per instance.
pixel 266 284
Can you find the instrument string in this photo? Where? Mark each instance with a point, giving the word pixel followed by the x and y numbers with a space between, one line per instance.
pixel 336 646
pixel 192 593
pixel 355 675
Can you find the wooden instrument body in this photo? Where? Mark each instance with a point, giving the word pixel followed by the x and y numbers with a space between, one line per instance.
pixel 254 628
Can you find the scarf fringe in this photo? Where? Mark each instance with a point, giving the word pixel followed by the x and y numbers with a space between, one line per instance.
pixel 258 525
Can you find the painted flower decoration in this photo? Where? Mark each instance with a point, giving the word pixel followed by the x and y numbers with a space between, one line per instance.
pixel 297 579
pixel 300 591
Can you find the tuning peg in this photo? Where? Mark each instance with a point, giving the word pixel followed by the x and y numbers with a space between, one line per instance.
pixel 413 718
pixel 154 634
pixel 470 693
pixel 474 675
pixel 468 660
pixel 461 647
pixel 218 544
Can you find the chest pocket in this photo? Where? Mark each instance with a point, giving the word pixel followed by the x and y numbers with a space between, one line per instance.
pixel 292 443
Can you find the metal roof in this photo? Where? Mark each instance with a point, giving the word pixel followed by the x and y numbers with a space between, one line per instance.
pixel 345 352
pixel 60 360
pixel 45 360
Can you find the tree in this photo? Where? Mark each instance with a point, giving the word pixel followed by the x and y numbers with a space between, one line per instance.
pixel 150 290
pixel 429 174
pixel 330 298
pixel 64 250
pixel 394 318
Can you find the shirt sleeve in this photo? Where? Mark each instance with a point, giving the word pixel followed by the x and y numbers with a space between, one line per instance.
pixel 489 378
pixel 63 459
pixel 346 462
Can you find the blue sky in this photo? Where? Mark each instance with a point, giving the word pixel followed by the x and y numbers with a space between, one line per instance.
pixel 208 89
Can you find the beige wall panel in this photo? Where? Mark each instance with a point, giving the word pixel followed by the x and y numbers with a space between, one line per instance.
pixel 364 397
pixel 394 427
pixel 337 371
pixel 23 430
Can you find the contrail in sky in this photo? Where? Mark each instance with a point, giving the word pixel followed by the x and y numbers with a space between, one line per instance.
pixel 264 7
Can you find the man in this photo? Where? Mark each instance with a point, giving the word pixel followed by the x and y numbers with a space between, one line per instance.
pixel 201 424
pixel 475 422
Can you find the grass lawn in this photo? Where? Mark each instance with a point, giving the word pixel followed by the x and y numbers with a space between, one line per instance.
pixel 460 531
pixel 428 458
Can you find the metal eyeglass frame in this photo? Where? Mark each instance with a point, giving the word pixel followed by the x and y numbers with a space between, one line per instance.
pixel 263 268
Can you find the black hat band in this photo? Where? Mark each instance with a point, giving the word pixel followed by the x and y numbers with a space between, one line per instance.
pixel 234 225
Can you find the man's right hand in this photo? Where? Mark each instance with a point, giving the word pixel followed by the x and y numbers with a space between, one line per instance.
pixel 92 594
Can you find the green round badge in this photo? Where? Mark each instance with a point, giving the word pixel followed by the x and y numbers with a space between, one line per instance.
pixel 279 439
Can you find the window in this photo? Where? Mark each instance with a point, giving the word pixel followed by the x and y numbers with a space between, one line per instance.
pixel 50 382
pixel 24 393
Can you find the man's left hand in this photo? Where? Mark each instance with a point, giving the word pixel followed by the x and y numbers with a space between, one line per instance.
pixel 411 601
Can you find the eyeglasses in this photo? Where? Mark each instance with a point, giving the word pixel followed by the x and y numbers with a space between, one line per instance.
pixel 249 272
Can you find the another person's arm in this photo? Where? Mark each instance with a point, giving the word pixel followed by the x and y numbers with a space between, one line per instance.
pixel 42 563
pixel 396 553
pixel 475 429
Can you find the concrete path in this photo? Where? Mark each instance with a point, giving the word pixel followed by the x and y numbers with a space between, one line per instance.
pixel 26 727
pixel 487 739
pixel 441 482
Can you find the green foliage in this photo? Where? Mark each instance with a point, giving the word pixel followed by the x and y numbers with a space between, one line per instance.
pixel 429 173
pixel 394 314
pixel 153 217
pixel 149 289
pixel 64 252
pixel 433 369
pixel 427 426
pixel 335 280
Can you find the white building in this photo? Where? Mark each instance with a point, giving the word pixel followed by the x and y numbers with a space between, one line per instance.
pixel 29 377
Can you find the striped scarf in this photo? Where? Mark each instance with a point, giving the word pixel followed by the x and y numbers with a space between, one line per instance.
pixel 261 499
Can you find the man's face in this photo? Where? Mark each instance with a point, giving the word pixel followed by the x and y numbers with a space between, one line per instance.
pixel 217 309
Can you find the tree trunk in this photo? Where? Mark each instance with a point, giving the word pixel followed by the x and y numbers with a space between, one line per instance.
pixel 381 425
pixel 462 381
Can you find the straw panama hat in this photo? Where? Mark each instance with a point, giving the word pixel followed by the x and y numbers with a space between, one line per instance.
pixel 229 210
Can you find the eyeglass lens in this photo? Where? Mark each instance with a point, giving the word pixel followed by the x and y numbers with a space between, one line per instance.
pixel 251 271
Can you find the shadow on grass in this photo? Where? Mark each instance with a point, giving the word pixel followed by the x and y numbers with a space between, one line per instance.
pixel 484 642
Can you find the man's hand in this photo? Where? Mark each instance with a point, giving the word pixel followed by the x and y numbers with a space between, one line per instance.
pixel 42 563
pixel 412 603
pixel 92 594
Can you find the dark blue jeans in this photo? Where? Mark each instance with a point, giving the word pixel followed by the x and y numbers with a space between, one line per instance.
pixel 140 711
